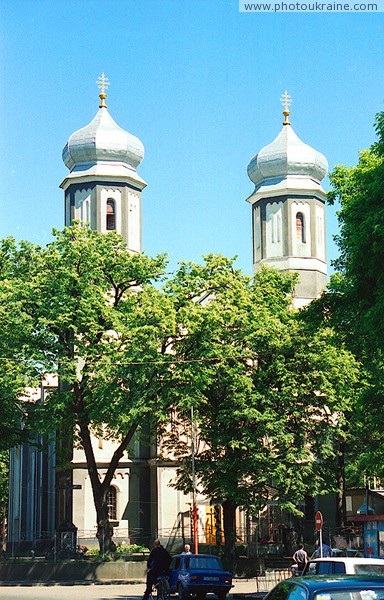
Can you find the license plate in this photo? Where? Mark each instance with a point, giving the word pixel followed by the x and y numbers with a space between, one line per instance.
pixel 211 579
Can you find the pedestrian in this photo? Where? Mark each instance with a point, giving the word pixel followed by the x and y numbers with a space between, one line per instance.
pixel 187 549
pixel 326 551
pixel 158 565
pixel 301 558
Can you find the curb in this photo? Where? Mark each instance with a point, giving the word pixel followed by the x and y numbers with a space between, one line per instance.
pixel 28 583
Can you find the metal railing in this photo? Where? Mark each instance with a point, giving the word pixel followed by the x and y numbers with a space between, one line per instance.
pixel 271 577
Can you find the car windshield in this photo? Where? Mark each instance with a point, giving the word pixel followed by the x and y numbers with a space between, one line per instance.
pixel 203 562
pixel 368 593
pixel 364 569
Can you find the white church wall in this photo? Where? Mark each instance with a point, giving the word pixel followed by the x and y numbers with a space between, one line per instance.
pixel 82 209
pixel 274 232
pixel 256 234
pixel 320 232
pixel 134 221
pixel 171 502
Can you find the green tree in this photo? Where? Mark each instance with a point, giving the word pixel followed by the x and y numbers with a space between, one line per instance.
pixel 357 290
pixel 267 392
pixel 87 309
pixel 15 372
pixel 354 302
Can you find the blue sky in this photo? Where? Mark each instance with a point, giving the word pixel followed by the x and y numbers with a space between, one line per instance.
pixel 200 84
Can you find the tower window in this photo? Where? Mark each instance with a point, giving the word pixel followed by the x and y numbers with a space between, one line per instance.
pixel 111 215
pixel 300 227
pixel 112 503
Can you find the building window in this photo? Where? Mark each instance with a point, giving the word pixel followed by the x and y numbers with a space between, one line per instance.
pixel 112 503
pixel 300 228
pixel 111 215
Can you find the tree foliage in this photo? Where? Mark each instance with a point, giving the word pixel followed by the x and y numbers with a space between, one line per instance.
pixel 359 284
pixel 87 309
pixel 269 394
pixel 354 302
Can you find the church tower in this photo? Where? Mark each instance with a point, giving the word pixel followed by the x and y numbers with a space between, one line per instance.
pixel 288 210
pixel 103 187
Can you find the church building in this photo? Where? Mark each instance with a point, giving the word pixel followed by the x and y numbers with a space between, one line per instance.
pixel 104 189
pixel 288 210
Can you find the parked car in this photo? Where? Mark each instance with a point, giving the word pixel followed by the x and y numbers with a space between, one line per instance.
pixel 344 565
pixel 335 587
pixel 198 575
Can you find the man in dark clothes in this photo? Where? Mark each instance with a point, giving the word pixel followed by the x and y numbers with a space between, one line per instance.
pixel 158 564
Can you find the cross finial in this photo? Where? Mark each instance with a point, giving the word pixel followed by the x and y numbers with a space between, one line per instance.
pixel 286 101
pixel 102 84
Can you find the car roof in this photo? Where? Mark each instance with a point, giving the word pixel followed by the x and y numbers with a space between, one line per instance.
pixel 336 581
pixel 350 560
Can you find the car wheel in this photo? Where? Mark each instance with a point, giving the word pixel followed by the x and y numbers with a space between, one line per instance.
pixel 201 595
pixel 222 595
pixel 183 595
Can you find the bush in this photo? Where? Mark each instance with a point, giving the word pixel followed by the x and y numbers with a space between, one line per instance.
pixel 120 549
pixel 131 548
pixel 92 552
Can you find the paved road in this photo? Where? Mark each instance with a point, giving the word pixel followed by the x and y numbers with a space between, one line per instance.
pixel 132 591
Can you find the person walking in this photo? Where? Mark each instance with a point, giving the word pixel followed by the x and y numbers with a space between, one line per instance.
pixel 158 564
pixel 301 558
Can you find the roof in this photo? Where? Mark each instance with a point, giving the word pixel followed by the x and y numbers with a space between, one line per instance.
pixel 314 582
pixel 287 155
pixel 102 140
pixel 350 560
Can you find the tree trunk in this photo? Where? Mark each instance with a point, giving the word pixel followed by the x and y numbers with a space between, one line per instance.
pixel 3 529
pixel 104 528
pixel 100 488
pixel 229 518
pixel 340 498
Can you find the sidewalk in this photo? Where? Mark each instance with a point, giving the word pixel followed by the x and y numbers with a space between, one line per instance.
pixel 244 589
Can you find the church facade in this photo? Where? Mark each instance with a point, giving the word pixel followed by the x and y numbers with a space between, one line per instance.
pixel 104 189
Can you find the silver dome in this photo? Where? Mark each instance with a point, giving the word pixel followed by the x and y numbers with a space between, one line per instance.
pixel 287 155
pixel 102 140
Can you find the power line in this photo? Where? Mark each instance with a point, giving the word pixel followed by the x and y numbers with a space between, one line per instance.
pixel 147 362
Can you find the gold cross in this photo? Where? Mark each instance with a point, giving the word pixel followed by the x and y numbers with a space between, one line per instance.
pixel 286 101
pixel 102 84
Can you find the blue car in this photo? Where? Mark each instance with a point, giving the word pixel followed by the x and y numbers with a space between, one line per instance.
pixel 329 587
pixel 198 575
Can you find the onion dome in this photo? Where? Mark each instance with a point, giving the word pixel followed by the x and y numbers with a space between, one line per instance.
pixel 102 141
pixel 287 155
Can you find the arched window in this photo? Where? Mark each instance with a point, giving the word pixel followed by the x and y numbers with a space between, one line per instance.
pixel 300 227
pixel 111 215
pixel 112 503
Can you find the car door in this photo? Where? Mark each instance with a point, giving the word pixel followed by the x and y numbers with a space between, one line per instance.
pixel 174 568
